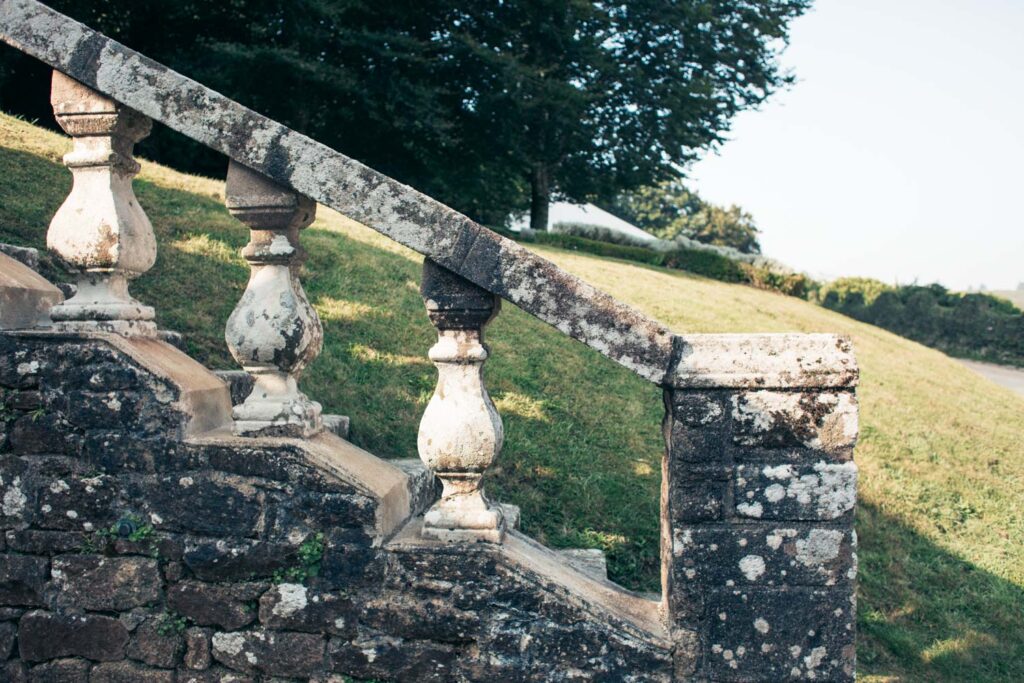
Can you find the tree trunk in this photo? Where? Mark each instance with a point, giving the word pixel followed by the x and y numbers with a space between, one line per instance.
pixel 540 197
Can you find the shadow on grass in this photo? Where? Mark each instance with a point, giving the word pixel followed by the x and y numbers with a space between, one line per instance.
pixel 583 442
pixel 928 615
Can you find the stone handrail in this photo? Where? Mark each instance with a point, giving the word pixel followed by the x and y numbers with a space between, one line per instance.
pixel 291 159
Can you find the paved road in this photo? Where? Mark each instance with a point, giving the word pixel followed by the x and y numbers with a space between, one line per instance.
pixel 1004 375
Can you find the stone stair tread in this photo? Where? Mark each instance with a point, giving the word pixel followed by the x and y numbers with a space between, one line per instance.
pixel 339 424
pixel 239 384
pixel 26 255
pixel 590 561
pixel 512 515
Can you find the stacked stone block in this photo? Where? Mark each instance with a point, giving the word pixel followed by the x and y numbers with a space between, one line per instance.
pixel 759 491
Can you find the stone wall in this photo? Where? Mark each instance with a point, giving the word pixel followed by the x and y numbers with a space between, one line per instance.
pixel 134 550
pixel 137 550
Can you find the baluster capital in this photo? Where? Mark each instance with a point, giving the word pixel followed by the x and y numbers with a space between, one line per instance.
pixel 100 231
pixel 454 303
pixel 461 432
pixel 273 333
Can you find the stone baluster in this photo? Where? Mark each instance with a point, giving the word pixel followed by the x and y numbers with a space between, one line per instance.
pixel 273 333
pixel 100 231
pixel 461 432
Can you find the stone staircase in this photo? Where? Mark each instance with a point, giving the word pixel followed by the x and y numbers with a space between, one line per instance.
pixel 168 523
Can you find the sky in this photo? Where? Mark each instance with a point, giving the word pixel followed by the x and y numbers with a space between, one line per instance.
pixel 898 153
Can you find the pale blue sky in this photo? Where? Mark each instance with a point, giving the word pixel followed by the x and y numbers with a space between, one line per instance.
pixel 898 152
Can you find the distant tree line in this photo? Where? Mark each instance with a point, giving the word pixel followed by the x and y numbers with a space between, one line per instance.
pixel 973 325
pixel 492 107
pixel 671 210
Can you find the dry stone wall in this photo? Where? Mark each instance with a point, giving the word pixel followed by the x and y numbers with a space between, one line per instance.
pixel 130 553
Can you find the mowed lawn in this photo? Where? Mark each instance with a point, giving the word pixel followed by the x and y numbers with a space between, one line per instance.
pixel 941 519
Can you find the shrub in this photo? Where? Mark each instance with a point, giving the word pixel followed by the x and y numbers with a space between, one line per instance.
pixel 602 234
pixel 972 325
pixel 706 263
pixel 793 284
pixel 622 251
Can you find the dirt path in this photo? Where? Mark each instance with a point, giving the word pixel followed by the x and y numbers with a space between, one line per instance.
pixel 1003 375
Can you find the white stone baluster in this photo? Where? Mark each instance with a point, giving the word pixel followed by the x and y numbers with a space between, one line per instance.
pixel 461 432
pixel 100 231
pixel 273 333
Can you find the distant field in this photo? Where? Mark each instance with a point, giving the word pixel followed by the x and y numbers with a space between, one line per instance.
pixel 1014 295
pixel 941 514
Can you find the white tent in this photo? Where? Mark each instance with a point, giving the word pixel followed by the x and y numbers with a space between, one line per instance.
pixel 565 212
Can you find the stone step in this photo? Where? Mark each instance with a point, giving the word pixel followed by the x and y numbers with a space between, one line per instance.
pixel 338 424
pixel 511 513
pixel 25 296
pixel 26 255
pixel 424 488
pixel 590 561
pixel 239 384
pixel 175 339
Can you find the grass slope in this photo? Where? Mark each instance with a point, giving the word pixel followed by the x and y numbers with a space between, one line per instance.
pixel 941 519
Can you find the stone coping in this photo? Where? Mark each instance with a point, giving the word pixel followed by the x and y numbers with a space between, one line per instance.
pixel 762 361
pixel 25 296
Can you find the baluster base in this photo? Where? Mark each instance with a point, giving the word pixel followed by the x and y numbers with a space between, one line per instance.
pixel 276 407
pixel 465 517
pixel 103 304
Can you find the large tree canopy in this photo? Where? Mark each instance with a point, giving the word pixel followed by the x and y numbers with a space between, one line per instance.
pixel 490 106
pixel 598 98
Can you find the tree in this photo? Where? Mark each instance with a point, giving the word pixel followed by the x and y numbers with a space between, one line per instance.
pixel 670 210
pixel 488 106
pixel 588 99
pixel 373 80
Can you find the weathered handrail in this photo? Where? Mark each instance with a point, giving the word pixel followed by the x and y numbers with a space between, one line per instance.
pixel 293 160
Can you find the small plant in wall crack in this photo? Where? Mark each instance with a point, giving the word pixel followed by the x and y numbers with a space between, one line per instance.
pixel 310 555
pixel 171 624
pixel 130 528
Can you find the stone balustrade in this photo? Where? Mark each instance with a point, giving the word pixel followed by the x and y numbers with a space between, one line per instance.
pixel 758 482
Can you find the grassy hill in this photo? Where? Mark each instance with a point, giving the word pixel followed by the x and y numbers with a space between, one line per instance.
pixel 941 518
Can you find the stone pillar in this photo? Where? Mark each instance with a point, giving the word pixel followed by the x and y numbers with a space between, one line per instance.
pixel 758 492
pixel 461 432
pixel 273 333
pixel 100 231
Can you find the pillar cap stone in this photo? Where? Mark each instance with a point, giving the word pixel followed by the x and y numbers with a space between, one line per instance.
pixel 762 361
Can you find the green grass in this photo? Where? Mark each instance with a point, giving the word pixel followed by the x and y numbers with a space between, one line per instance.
pixel 941 520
